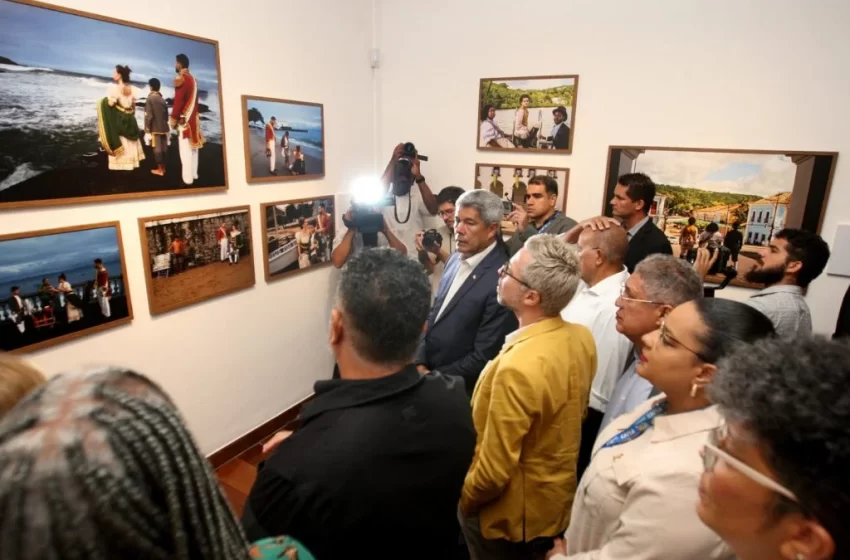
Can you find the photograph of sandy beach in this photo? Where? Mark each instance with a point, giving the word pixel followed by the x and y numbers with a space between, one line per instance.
pixel 80 120
pixel 299 235
pixel 196 256
pixel 284 139
pixel 737 199
pixel 527 113
pixel 60 284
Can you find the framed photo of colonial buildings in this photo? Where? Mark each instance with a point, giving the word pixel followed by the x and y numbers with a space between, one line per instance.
pixel 106 115
pixel 299 235
pixel 751 194
pixel 60 284
pixel 195 256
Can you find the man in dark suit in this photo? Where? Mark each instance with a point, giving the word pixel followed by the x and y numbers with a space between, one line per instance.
pixel 467 325
pixel 560 137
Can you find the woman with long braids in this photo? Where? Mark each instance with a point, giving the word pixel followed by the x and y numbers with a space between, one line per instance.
pixel 99 465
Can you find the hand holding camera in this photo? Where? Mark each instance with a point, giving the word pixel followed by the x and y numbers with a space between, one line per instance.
pixel 431 241
pixel 519 216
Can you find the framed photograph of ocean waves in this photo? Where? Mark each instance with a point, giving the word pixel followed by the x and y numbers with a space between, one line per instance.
pixel 95 109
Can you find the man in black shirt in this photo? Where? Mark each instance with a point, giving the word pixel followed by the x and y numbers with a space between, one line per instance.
pixel 379 460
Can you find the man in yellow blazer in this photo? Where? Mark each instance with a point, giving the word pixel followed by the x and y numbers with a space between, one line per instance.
pixel 528 408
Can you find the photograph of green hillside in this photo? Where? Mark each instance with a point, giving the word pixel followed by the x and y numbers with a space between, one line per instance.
pixel 735 198
pixel 530 113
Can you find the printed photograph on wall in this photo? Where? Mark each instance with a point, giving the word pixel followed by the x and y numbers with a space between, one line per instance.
pixel 196 256
pixel 95 109
pixel 736 200
pixel 60 284
pixel 299 235
pixel 527 113
pixel 284 140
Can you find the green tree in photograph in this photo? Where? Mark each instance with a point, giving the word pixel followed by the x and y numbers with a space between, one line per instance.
pixel 682 201
pixel 501 96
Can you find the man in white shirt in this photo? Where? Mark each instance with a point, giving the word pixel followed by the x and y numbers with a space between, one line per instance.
pixel 602 255
pixel 433 257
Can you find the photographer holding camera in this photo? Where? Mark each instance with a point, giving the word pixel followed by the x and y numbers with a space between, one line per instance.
pixel 354 240
pixel 435 246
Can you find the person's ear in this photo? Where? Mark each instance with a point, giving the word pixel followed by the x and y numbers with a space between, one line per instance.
pixel 336 328
pixel 662 312
pixel 495 230
pixel 793 267
pixel 532 298
pixel 705 376
pixel 810 541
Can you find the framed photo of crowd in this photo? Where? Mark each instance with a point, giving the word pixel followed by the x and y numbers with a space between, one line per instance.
pixel 113 109
pixel 299 235
pixel 196 256
pixel 60 284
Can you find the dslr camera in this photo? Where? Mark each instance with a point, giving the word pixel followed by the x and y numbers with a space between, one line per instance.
pixel 402 172
pixel 432 239
pixel 722 262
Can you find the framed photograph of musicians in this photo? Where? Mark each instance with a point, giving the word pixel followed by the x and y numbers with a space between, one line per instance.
pixel 98 109
pixel 284 140
pixel 196 256
pixel 60 284
pixel 535 114
pixel 299 235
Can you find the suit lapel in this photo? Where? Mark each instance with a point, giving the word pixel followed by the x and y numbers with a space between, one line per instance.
pixel 479 271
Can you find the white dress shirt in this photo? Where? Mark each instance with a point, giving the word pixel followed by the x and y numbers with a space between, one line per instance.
pixel 631 391
pixel 594 308
pixel 466 266
pixel 417 222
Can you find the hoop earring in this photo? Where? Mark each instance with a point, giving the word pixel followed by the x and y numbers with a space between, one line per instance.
pixel 694 389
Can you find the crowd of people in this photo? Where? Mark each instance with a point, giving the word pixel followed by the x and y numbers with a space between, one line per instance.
pixel 562 394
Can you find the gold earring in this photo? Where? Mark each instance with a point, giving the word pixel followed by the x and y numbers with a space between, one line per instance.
pixel 694 389
pixel 800 556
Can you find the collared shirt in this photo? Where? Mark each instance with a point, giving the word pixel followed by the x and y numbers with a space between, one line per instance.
pixel 594 307
pixel 631 391
pixel 786 307
pixel 413 224
pixel 466 266
pixel 635 228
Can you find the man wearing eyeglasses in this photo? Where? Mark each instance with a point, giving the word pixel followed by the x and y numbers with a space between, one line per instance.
pixel 527 411
pixel 658 284
pixel 540 214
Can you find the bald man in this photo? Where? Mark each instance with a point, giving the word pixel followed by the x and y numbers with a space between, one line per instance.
pixel 602 255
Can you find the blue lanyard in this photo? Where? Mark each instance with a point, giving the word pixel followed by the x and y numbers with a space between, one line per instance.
pixel 640 425
pixel 545 225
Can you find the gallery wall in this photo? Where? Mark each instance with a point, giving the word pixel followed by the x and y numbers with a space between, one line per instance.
pixel 760 74
pixel 233 362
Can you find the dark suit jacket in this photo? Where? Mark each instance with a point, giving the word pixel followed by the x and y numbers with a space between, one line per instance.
pixel 561 141
pixel 648 240
pixel 842 325
pixel 377 466
pixel 472 329
pixel 17 309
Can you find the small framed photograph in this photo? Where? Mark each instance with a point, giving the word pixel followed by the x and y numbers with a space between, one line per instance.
pixel 299 235
pixel 510 182
pixel 196 256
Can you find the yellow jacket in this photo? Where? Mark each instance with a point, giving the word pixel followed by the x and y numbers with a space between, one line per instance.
pixel 527 408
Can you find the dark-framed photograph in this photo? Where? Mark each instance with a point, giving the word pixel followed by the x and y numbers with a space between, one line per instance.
pixel 61 284
pixel 196 256
pixel 299 235
pixel 531 113
pixel 738 199
pixel 284 139
pixel 97 109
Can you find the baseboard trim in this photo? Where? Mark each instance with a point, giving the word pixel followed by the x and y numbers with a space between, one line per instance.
pixel 288 419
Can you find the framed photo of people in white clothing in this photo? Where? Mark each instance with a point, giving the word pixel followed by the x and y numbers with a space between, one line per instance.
pixel 196 256
pixel 531 113
pixel 60 284
pixel 284 139
pixel 299 235
pixel 98 109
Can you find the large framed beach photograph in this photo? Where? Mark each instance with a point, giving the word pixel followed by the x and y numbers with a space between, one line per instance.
pixel 299 235
pixel 533 113
pixel 60 284
pixel 196 256
pixel 95 109
pixel 284 139
pixel 748 195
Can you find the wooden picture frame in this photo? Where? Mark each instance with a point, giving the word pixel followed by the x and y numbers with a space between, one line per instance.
pixel 48 319
pixel 60 162
pixel 201 267
pixel 501 134
pixel 281 261
pixel 760 190
pixel 308 139
pixel 562 176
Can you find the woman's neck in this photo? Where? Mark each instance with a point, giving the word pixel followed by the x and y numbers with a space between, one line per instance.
pixel 676 404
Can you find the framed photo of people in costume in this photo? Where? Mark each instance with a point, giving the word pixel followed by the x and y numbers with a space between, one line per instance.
pixel 97 109
pixel 510 182
pixel 60 284
pixel 284 140
pixel 533 113
pixel 196 256
pixel 299 235
pixel 732 200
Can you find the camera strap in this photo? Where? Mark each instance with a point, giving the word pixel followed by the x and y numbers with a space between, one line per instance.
pixel 409 208
pixel 548 222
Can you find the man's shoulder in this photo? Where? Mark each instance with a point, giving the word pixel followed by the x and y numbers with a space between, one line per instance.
pixel 562 224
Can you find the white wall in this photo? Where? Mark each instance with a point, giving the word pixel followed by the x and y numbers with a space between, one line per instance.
pixel 312 51
pixel 751 74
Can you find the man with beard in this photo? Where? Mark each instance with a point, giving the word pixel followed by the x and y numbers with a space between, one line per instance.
pixel 787 265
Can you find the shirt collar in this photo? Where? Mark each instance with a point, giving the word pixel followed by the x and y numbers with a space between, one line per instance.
pixel 635 228
pixel 611 284
pixel 477 258
pixel 673 426
pixel 534 329
pixel 780 288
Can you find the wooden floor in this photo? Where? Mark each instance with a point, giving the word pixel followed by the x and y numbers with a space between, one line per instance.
pixel 237 477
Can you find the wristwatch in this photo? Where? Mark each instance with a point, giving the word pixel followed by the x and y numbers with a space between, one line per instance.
pixel 420 179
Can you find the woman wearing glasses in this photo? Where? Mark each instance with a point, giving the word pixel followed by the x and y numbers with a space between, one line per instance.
pixel 777 471
pixel 637 500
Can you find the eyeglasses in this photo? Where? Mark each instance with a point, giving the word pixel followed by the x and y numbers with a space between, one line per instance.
pixel 712 454
pixel 505 272
pixel 669 340
pixel 624 297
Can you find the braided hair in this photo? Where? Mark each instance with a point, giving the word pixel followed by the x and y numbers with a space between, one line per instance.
pixel 98 464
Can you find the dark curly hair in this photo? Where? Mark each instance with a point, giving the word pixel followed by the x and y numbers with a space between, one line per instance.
pixel 809 249
pixel 795 399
